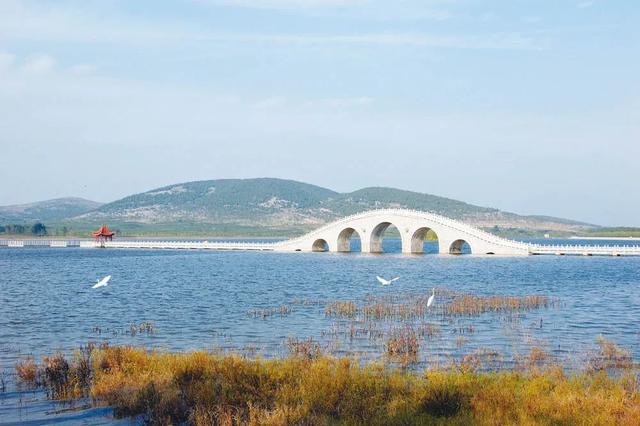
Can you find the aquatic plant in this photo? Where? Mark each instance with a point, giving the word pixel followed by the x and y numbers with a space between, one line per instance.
pixel 403 345
pixel 27 372
pixel 610 356
pixel 428 330
pixel 537 358
pixel 340 308
pixel 481 359
pixel 414 306
pixel 466 304
pixel 56 375
pixel 282 310
pixel 306 349
pixel 146 327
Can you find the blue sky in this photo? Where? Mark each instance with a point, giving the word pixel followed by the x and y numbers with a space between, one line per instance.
pixel 528 106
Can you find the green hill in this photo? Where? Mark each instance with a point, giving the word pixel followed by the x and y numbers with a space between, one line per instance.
pixel 278 207
pixel 46 211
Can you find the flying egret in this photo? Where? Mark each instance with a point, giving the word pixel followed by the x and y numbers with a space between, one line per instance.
pixel 103 282
pixel 385 282
pixel 431 298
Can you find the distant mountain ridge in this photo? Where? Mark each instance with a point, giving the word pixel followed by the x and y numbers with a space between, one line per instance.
pixel 46 211
pixel 278 207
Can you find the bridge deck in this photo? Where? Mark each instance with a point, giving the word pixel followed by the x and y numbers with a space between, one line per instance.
pixel 584 250
pixel 534 249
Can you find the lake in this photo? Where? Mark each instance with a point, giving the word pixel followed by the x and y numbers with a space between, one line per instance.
pixel 253 302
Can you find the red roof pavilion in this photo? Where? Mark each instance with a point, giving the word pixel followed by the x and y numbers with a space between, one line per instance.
pixel 103 233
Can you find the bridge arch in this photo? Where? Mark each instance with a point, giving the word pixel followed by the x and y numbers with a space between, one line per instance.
pixel 344 239
pixel 377 236
pixel 418 238
pixel 460 247
pixel 320 245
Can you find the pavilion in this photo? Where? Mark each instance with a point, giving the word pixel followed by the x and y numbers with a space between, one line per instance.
pixel 103 234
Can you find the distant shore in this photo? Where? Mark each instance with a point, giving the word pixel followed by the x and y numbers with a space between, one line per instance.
pixel 606 238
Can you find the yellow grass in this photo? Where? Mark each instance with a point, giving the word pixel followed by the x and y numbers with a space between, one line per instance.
pixel 203 388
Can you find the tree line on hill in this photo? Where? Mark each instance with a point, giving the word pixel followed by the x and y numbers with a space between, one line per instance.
pixel 38 229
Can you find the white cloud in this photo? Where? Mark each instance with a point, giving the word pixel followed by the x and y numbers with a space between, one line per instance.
pixel 39 63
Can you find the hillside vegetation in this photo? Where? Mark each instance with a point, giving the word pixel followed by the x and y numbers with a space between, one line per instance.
pixel 46 211
pixel 276 207
pixel 264 207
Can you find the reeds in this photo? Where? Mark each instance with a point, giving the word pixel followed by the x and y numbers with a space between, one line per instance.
pixel 450 304
pixel 476 305
pixel 62 379
pixel 403 345
pixel 56 376
pixel 610 356
pixel 133 329
pixel 264 313
pixel 346 309
pixel 145 327
pixel 306 349
pixel 27 373
pixel 204 388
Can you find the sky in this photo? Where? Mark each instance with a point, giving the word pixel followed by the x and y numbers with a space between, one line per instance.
pixel 528 106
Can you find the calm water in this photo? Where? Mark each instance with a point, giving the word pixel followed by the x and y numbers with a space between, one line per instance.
pixel 201 300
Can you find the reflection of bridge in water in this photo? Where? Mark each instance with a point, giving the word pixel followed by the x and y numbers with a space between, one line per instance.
pixel 414 227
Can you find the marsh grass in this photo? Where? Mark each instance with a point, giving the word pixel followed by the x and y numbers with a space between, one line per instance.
pixel 345 309
pixel 428 330
pixel 211 389
pixel 56 376
pixel 482 359
pixel 304 348
pixel 354 330
pixel 133 329
pixel 449 304
pixel 27 373
pixel 264 313
pixel 466 304
pixel 610 356
pixel 145 327
pixel 403 345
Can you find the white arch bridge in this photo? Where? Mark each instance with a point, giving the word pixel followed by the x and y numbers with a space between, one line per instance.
pixel 453 237
pixel 414 227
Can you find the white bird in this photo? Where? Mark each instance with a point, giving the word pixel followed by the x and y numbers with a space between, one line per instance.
pixel 103 282
pixel 385 282
pixel 431 298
